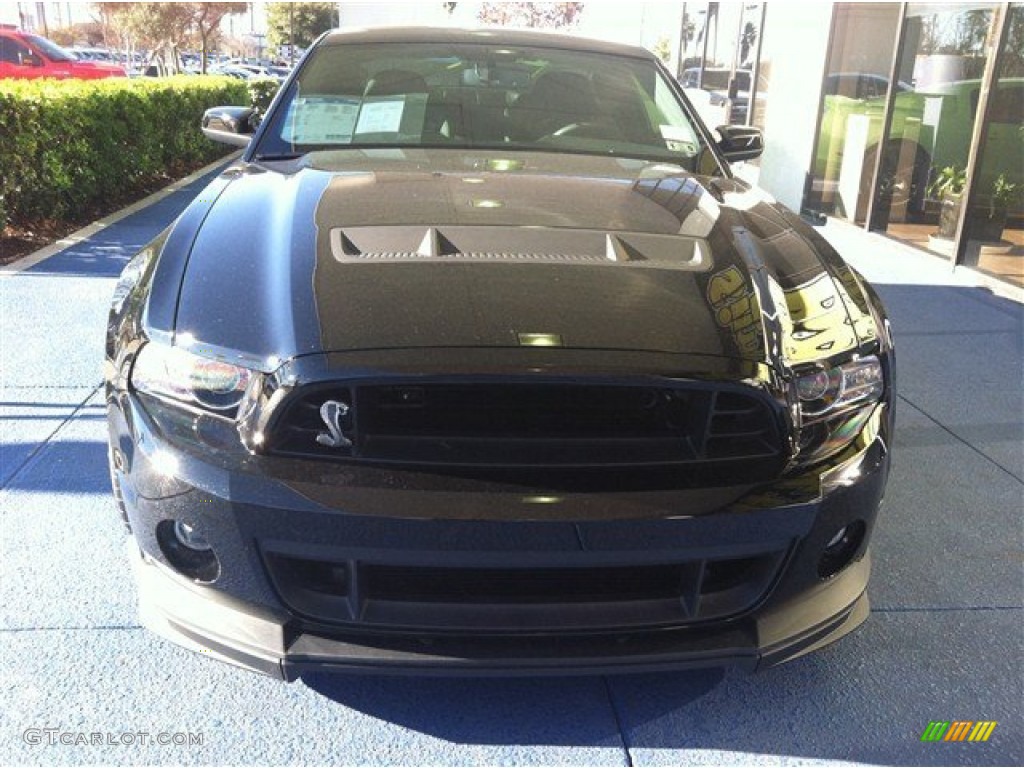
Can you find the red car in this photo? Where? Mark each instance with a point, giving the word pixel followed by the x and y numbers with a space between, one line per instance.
pixel 23 54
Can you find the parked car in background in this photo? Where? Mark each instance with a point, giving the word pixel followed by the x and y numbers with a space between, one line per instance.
pixel 860 85
pixel 25 55
pixel 101 55
pixel 232 70
pixel 716 83
pixel 244 71
pixel 482 360
pixel 931 130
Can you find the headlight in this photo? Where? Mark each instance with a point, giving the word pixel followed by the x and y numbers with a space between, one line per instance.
pixel 825 392
pixel 835 404
pixel 172 372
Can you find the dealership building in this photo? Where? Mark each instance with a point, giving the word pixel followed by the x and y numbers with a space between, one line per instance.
pixel 904 118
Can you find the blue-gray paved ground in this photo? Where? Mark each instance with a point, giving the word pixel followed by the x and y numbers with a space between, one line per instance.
pixel 944 641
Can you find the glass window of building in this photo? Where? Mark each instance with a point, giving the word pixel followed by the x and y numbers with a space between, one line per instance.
pixel 994 227
pixel 943 55
pixel 852 107
pixel 759 107
pixel 719 57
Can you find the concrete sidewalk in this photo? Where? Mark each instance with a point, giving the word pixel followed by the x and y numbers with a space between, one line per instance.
pixel 944 641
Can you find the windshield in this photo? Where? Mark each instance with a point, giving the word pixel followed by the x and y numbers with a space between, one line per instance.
pixel 52 51
pixel 482 96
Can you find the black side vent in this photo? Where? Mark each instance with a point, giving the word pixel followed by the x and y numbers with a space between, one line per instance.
pixel 739 427
pixel 475 598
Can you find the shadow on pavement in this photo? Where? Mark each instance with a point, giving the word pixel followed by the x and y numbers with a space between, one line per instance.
pixel 552 711
pixel 65 466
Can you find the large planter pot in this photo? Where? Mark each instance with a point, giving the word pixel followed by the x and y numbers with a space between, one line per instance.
pixel 949 214
pixel 987 226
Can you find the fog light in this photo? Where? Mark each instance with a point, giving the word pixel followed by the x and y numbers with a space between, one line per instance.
pixel 188 537
pixel 186 551
pixel 841 548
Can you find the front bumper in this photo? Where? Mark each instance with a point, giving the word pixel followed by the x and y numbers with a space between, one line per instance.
pixel 262 641
pixel 246 616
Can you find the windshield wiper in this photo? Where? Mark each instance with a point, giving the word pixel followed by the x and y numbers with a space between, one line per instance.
pixel 280 156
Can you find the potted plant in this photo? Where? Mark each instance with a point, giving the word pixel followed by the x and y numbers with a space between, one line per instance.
pixel 988 225
pixel 948 186
pixel 985 221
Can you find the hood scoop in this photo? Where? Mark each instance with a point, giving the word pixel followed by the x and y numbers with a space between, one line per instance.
pixel 518 244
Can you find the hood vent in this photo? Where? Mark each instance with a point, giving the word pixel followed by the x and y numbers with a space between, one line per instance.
pixel 526 244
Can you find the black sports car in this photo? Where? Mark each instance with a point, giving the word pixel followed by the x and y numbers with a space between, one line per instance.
pixel 480 360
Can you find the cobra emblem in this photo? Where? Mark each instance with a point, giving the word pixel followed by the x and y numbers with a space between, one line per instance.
pixel 332 412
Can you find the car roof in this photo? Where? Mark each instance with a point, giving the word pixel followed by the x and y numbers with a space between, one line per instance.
pixel 493 35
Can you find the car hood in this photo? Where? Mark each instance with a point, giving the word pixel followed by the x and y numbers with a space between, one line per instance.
pixel 399 249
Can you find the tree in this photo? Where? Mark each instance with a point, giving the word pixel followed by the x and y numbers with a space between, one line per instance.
pixel 206 19
pixel 161 27
pixel 299 24
pixel 89 32
pixel 663 49
pixel 550 15
pixel 164 27
pixel 1013 47
pixel 748 43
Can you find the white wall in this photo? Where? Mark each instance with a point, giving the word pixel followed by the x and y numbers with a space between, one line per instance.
pixel 797 37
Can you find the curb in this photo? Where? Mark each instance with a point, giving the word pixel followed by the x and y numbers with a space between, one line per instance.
pixel 46 252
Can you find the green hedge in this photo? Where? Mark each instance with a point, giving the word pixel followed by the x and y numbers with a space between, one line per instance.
pixel 262 91
pixel 67 146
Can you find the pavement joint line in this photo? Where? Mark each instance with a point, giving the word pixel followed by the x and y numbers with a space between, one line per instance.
pixel 947 608
pixel 618 722
pixel 30 459
pixel 98 628
pixel 960 439
pixel 91 385
pixel 48 251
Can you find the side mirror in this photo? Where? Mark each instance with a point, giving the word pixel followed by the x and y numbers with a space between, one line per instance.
pixel 740 142
pixel 229 125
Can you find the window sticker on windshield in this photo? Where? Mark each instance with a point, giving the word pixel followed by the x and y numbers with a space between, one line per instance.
pixel 381 115
pixel 321 120
pixel 678 139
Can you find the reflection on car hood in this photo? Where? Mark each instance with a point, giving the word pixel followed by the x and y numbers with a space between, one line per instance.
pixel 390 249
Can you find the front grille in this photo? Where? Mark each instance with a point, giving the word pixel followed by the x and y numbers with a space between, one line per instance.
pixel 521 599
pixel 531 425
pixel 739 426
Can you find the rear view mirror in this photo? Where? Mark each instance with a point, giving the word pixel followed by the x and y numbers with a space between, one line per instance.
pixel 740 142
pixel 229 125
